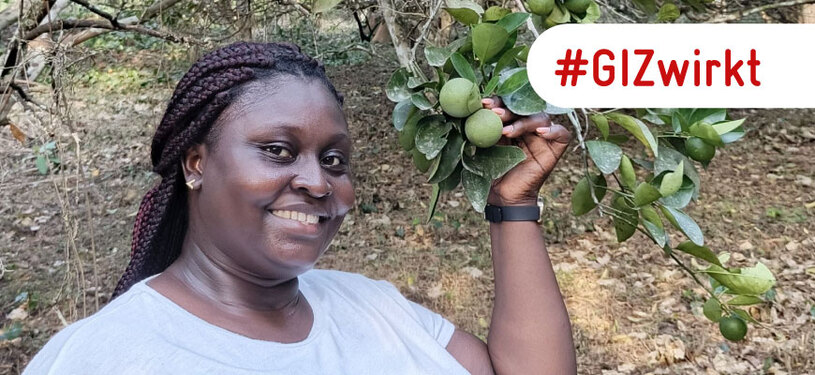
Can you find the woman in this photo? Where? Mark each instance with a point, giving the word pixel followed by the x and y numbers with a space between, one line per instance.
pixel 253 151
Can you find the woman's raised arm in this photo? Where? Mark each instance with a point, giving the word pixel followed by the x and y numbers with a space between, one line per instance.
pixel 530 331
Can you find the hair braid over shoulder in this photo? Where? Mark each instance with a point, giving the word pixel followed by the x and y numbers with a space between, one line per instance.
pixel 214 82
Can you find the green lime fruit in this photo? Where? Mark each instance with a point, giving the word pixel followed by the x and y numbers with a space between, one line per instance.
pixel 459 97
pixel 419 160
pixel 541 7
pixel 577 6
pixel 483 128
pixel 699 150
pixel 733 328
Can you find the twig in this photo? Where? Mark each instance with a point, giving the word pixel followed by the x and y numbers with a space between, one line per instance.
pixel 613 10
pixel 97 11
pixel 426 27
pixel 99 24
pixel 741 14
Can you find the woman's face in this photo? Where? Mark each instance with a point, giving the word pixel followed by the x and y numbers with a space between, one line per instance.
pixel 277 184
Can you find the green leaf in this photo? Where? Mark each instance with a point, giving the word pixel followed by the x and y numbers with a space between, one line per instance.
pixel 712 310
pixel 401 112
pixel 733 136
pixel 707 133
pixel 42 164
pixel 495 13
pixel 707 115
pixel 648 6
pixel 637 128
pixel 558 16
pixel 723 128
pixel 606 155
pixel 744 301
pixel 625 219
pixel 513 83
pixel 684 223
pixel 450 156
pixel 493 162
pixel 321 6
pixel 452 181
pixel 12 332
pixel 463 67
pixel 506 60
pixel 582 201
pixel 488 40
pixel 751 281
pixel 434 199
pixel 592 14
pixel 653 224
pixel 397 89
pixel 431 135
pixel 602 124
pixel 464 11
pixel 420 101
pixel 555 110
pixel 645 194
pixel 513 21
pixel 672 180
pixel 669 12
pixel 407 136
pixel 476 188
pixel 489 90
pixel 524 101
pixel 701 252
pixel 681 198
pixel 669 158
pixel 627 174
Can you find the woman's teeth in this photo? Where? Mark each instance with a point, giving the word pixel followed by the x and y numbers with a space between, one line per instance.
pixel 299 216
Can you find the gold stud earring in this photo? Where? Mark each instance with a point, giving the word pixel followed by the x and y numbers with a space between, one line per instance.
pixel 190 184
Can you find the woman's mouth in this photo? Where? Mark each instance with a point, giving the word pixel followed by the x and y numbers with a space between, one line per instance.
pixel 298 216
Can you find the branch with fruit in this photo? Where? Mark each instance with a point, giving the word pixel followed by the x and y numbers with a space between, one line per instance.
pixel 452 139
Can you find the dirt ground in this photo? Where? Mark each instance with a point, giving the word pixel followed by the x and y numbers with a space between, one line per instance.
pixel 633 311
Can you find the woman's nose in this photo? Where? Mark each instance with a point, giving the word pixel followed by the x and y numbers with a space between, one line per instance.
pixel 310 178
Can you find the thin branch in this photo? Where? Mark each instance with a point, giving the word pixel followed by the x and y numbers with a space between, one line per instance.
pixel 741 14
pixel 425 27
pixel 529 24
pixel 99 24
pixel 97 11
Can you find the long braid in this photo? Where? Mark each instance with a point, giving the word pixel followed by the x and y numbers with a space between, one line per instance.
pixel 200 97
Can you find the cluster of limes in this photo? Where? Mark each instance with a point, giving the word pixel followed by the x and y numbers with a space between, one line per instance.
pixel 460 98
pixel 551 14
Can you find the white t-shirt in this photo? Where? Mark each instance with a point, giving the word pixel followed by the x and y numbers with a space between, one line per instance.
pixel 361 326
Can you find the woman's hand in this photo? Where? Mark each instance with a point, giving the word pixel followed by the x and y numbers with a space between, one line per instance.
pixel 542 142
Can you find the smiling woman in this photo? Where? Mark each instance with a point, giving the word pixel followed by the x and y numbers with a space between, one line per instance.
pixel 253 151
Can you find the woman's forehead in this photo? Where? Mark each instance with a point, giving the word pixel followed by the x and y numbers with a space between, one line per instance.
pixel 304 109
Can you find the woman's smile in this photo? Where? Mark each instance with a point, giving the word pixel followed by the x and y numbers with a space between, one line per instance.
pixel 298 223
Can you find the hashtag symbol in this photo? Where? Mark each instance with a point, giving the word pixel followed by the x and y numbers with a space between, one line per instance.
pixel 575 64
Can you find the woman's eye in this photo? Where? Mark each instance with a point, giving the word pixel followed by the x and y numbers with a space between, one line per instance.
pixel 279 151
pixel 332 161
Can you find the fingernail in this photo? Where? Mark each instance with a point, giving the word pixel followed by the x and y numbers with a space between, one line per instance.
pixel 507 129
pixel 486 101
pixel 498 111
pixel 542 130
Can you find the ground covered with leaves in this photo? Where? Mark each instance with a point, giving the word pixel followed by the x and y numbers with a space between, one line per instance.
pixel 65 236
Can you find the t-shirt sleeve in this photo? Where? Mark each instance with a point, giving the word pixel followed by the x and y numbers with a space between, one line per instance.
pixel 436 325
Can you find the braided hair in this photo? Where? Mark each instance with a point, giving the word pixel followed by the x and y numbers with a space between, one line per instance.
pixel 215 81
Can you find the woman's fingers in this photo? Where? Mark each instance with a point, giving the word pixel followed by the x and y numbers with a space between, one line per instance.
pixel 556 133
pixel 497 105
pixel 528 124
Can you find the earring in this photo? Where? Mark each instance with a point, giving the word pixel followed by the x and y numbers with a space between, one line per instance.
pixel 190 184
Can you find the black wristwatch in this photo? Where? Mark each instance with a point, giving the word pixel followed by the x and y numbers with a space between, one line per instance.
pixel 497 214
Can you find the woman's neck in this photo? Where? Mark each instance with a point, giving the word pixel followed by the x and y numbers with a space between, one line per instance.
pixel 229 288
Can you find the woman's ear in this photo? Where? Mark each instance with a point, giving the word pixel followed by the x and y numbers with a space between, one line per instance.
pixel 193 166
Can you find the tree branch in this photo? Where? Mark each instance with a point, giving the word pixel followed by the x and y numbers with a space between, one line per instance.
pixel 100 24
pixel 97 11
pixel 426 27
pixel 741 14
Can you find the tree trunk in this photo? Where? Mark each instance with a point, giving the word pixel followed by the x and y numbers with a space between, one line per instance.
pixel 244 10
pixel 400 40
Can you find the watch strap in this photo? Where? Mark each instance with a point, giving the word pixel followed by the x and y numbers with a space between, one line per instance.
pixel 497 214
